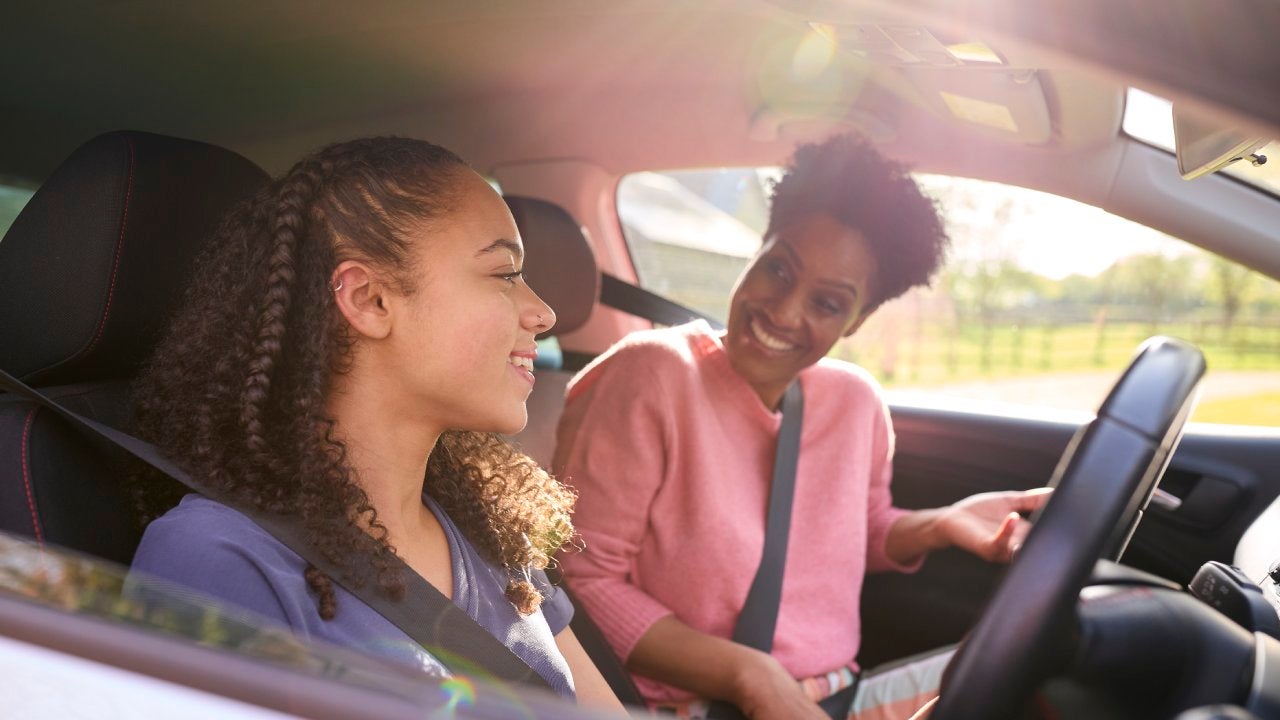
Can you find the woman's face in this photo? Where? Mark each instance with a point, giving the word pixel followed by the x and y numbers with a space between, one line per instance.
pixel 464 348
pixel 805 290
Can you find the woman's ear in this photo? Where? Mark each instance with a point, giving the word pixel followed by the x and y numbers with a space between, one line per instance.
pixel 862 317
pixel 361 299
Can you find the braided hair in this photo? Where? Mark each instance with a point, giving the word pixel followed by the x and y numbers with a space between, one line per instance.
pixel 235 391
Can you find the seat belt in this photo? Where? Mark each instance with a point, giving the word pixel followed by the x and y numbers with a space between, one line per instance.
pixel 622 295
pixel 759 616
pixel 425 614
pixel 644 304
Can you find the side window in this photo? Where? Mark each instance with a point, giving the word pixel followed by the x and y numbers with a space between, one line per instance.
pixel 13 197
pixel 691 232
pixel 1042 300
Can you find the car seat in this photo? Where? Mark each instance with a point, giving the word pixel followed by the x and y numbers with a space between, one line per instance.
pixel 561 267
pixel 88 270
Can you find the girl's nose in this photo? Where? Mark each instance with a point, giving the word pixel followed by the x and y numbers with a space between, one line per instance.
pixel 539 315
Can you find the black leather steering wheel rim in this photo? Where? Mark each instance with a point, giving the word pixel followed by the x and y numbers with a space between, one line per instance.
pixel 1101 484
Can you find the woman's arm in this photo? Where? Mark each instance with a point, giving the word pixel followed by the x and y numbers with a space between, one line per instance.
pixel 720 669
pixel 987 524
pixel 590 685
pixel 611 446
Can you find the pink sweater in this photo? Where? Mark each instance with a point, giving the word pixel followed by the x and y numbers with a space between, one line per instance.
pixel 671 452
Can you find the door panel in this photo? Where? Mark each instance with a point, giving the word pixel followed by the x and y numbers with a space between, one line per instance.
pixel 1223 482
pixel 1223 479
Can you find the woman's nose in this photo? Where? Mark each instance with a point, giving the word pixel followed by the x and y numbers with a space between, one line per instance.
pixel 788 310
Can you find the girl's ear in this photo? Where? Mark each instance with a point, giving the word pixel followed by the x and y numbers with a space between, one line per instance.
pixel 361 299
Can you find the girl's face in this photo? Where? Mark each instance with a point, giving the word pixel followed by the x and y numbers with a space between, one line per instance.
pixel 464 345
pixel 805 290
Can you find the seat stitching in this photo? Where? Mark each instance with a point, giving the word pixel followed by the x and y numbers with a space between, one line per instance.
pixel 115 265
pixel 115 268
pixel 26 475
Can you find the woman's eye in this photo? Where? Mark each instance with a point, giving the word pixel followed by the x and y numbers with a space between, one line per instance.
pixel 511 277
pixel 830 307
pixel 777 269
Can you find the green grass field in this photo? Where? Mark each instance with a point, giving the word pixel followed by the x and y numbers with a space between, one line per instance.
pixel 932 355
pixel 936 354
pixel 1258 409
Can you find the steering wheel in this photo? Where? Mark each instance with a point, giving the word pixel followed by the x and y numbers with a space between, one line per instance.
pixel 1102 482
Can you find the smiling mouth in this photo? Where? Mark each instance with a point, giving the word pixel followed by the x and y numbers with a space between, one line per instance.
pixel 771 342
pixel 524 363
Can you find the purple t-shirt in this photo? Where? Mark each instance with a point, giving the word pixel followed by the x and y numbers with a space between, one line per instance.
pixel 214 549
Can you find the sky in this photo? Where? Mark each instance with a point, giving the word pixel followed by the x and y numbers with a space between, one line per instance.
pixel 1056 237
pixel 1045 234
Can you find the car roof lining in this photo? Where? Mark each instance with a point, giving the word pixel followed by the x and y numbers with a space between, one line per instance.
pixel 268 79
pixel 631 85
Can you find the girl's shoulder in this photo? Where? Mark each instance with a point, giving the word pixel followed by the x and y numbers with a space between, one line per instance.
pixel 203 522
pixel 212 548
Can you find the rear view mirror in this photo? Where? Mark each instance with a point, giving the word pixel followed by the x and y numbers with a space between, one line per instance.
pixel 1203 146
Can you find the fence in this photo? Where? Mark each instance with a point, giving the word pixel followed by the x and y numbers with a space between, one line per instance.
pixel 922 352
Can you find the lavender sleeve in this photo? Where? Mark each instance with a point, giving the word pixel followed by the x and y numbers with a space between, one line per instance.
pixel 221 553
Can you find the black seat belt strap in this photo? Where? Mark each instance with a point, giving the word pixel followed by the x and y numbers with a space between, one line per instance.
pixel 635 300
pixel 644 304
pixel 759 616
pixel 425 614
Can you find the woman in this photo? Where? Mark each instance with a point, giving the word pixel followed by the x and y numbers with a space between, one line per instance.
pixel 353 338
pixel 669 440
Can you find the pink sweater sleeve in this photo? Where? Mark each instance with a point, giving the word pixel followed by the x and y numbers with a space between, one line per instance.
pixel 881 514
pixel 610 449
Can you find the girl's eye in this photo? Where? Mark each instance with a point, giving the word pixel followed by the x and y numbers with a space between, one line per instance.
pixel 511 277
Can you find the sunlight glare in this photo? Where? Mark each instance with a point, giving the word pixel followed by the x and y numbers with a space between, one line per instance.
pixel 461 692
pixel 813 55
pixel 1149 118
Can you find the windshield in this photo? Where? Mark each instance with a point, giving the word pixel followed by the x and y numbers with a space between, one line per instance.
pixel 1041 302
pixel 95 588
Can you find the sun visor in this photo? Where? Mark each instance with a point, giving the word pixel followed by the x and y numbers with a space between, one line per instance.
pixel 962 79
pixel 1006 103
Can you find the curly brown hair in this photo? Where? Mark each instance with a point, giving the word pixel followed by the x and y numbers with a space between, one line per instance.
pixel 235 391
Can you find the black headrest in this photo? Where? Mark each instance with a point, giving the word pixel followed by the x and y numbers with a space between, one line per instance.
pixel 559 264
pixel 101 253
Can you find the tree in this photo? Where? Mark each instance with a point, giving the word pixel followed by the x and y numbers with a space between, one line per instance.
pixel 1150 284
pixel 1229 286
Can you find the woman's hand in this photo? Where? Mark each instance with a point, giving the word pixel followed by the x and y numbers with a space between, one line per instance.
pixel 766 691
pixel 990 525
pixel 718 668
